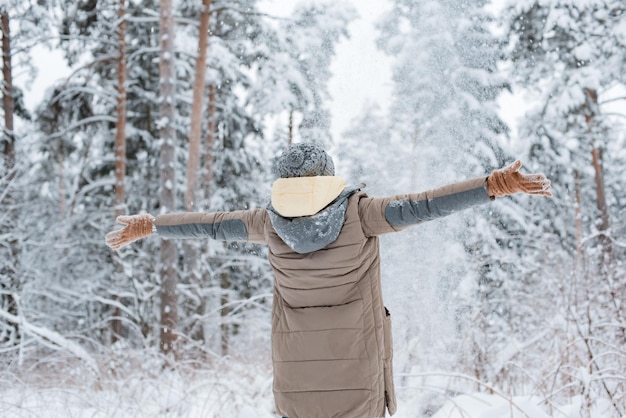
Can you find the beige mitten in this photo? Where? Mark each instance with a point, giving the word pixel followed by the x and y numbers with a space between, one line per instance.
pixel 137 227
pixel 509 180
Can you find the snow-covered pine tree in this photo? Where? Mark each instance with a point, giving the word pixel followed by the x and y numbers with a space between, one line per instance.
pixel 90 40
pixel 167 171
pixel 310 38
pixel 363 152
pixel 32 24
pixel 190 283
pixel 570 55
pixel 69 193
pixel 120 150
pixel 445 122
pixel 9 334
pixel 71 181
pixel 253 73
pixel 227 125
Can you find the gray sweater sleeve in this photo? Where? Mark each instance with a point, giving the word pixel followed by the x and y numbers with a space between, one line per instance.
pixel 390 214
pixel 244 225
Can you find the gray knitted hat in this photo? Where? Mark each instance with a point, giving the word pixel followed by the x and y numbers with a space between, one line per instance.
pixel 305 160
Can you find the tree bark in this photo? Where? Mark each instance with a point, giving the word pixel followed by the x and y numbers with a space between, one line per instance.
pixel 596 157
pixel 191 248
pixel 604 224
pixel 210 141
pixel 196 108
pixel 167 132
pixel 8 149
pixel 120 126
pixel 120 153
pixel 207 171
pixel 578 223
pixel 8 101
pixel 290 128
pixel 607 260
pixel 224 311
pixel 62 188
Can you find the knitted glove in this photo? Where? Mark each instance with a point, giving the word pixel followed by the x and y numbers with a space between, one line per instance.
pixel 137 227
pixel 509 180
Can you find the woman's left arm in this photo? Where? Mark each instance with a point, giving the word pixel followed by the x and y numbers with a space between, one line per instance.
pixel 390 214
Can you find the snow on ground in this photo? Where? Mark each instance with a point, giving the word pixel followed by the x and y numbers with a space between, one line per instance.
pixel 228 390
pixel 131 384
pixel 481 405
pixel 228 396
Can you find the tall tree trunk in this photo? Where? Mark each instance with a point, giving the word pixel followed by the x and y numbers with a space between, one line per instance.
pixel 607 261
pixel 224 311
pixel 191 248
pixel 207 166
pixel 62 186
pixel 210 141
pixel 596 157
pixel 290 127
pixel 8 149
pixel 8 102
pixel 120 153
pixel 167 132
pixel 603 224
pixel 196 108
pixel 207 170
pixel 578 223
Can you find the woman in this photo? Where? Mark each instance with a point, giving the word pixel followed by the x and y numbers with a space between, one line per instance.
pixel 331 334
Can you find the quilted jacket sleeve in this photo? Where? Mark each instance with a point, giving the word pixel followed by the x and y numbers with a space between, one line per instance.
pixel 391 214
pixel 243 225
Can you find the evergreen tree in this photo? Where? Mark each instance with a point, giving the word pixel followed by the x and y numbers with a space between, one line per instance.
pixel 120 147
pixel 8 279
pixel 251 54
pixel 71 283
pixel 571 56
pixel 311 35
pixel 24 25
pixel 445 122
pixel 367 136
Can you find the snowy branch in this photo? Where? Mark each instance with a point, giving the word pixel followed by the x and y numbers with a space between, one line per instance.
pixel 52 337
pixel 491 389
pixel 83 122
pixel 613 99
pixel 105 58
pixel 7 187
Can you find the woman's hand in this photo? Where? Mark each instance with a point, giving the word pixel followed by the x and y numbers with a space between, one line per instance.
pixel 509 180
pixel 136 227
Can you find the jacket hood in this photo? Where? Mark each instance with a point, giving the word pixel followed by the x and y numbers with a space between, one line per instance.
pixel 305 196
pixel 307 233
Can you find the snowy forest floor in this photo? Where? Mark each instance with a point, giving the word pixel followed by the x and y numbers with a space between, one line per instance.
pixel 133 385
pixel 136 387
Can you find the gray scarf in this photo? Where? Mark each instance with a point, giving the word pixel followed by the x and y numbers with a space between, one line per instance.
pixel 305 234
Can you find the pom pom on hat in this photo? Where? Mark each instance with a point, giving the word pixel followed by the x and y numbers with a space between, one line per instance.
pixel 305 160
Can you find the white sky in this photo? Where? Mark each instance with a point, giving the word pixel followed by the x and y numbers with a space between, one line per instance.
pixel 362 73
pixel 50 67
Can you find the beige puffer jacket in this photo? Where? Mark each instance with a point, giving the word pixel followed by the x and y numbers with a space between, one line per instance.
pixel 331 334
